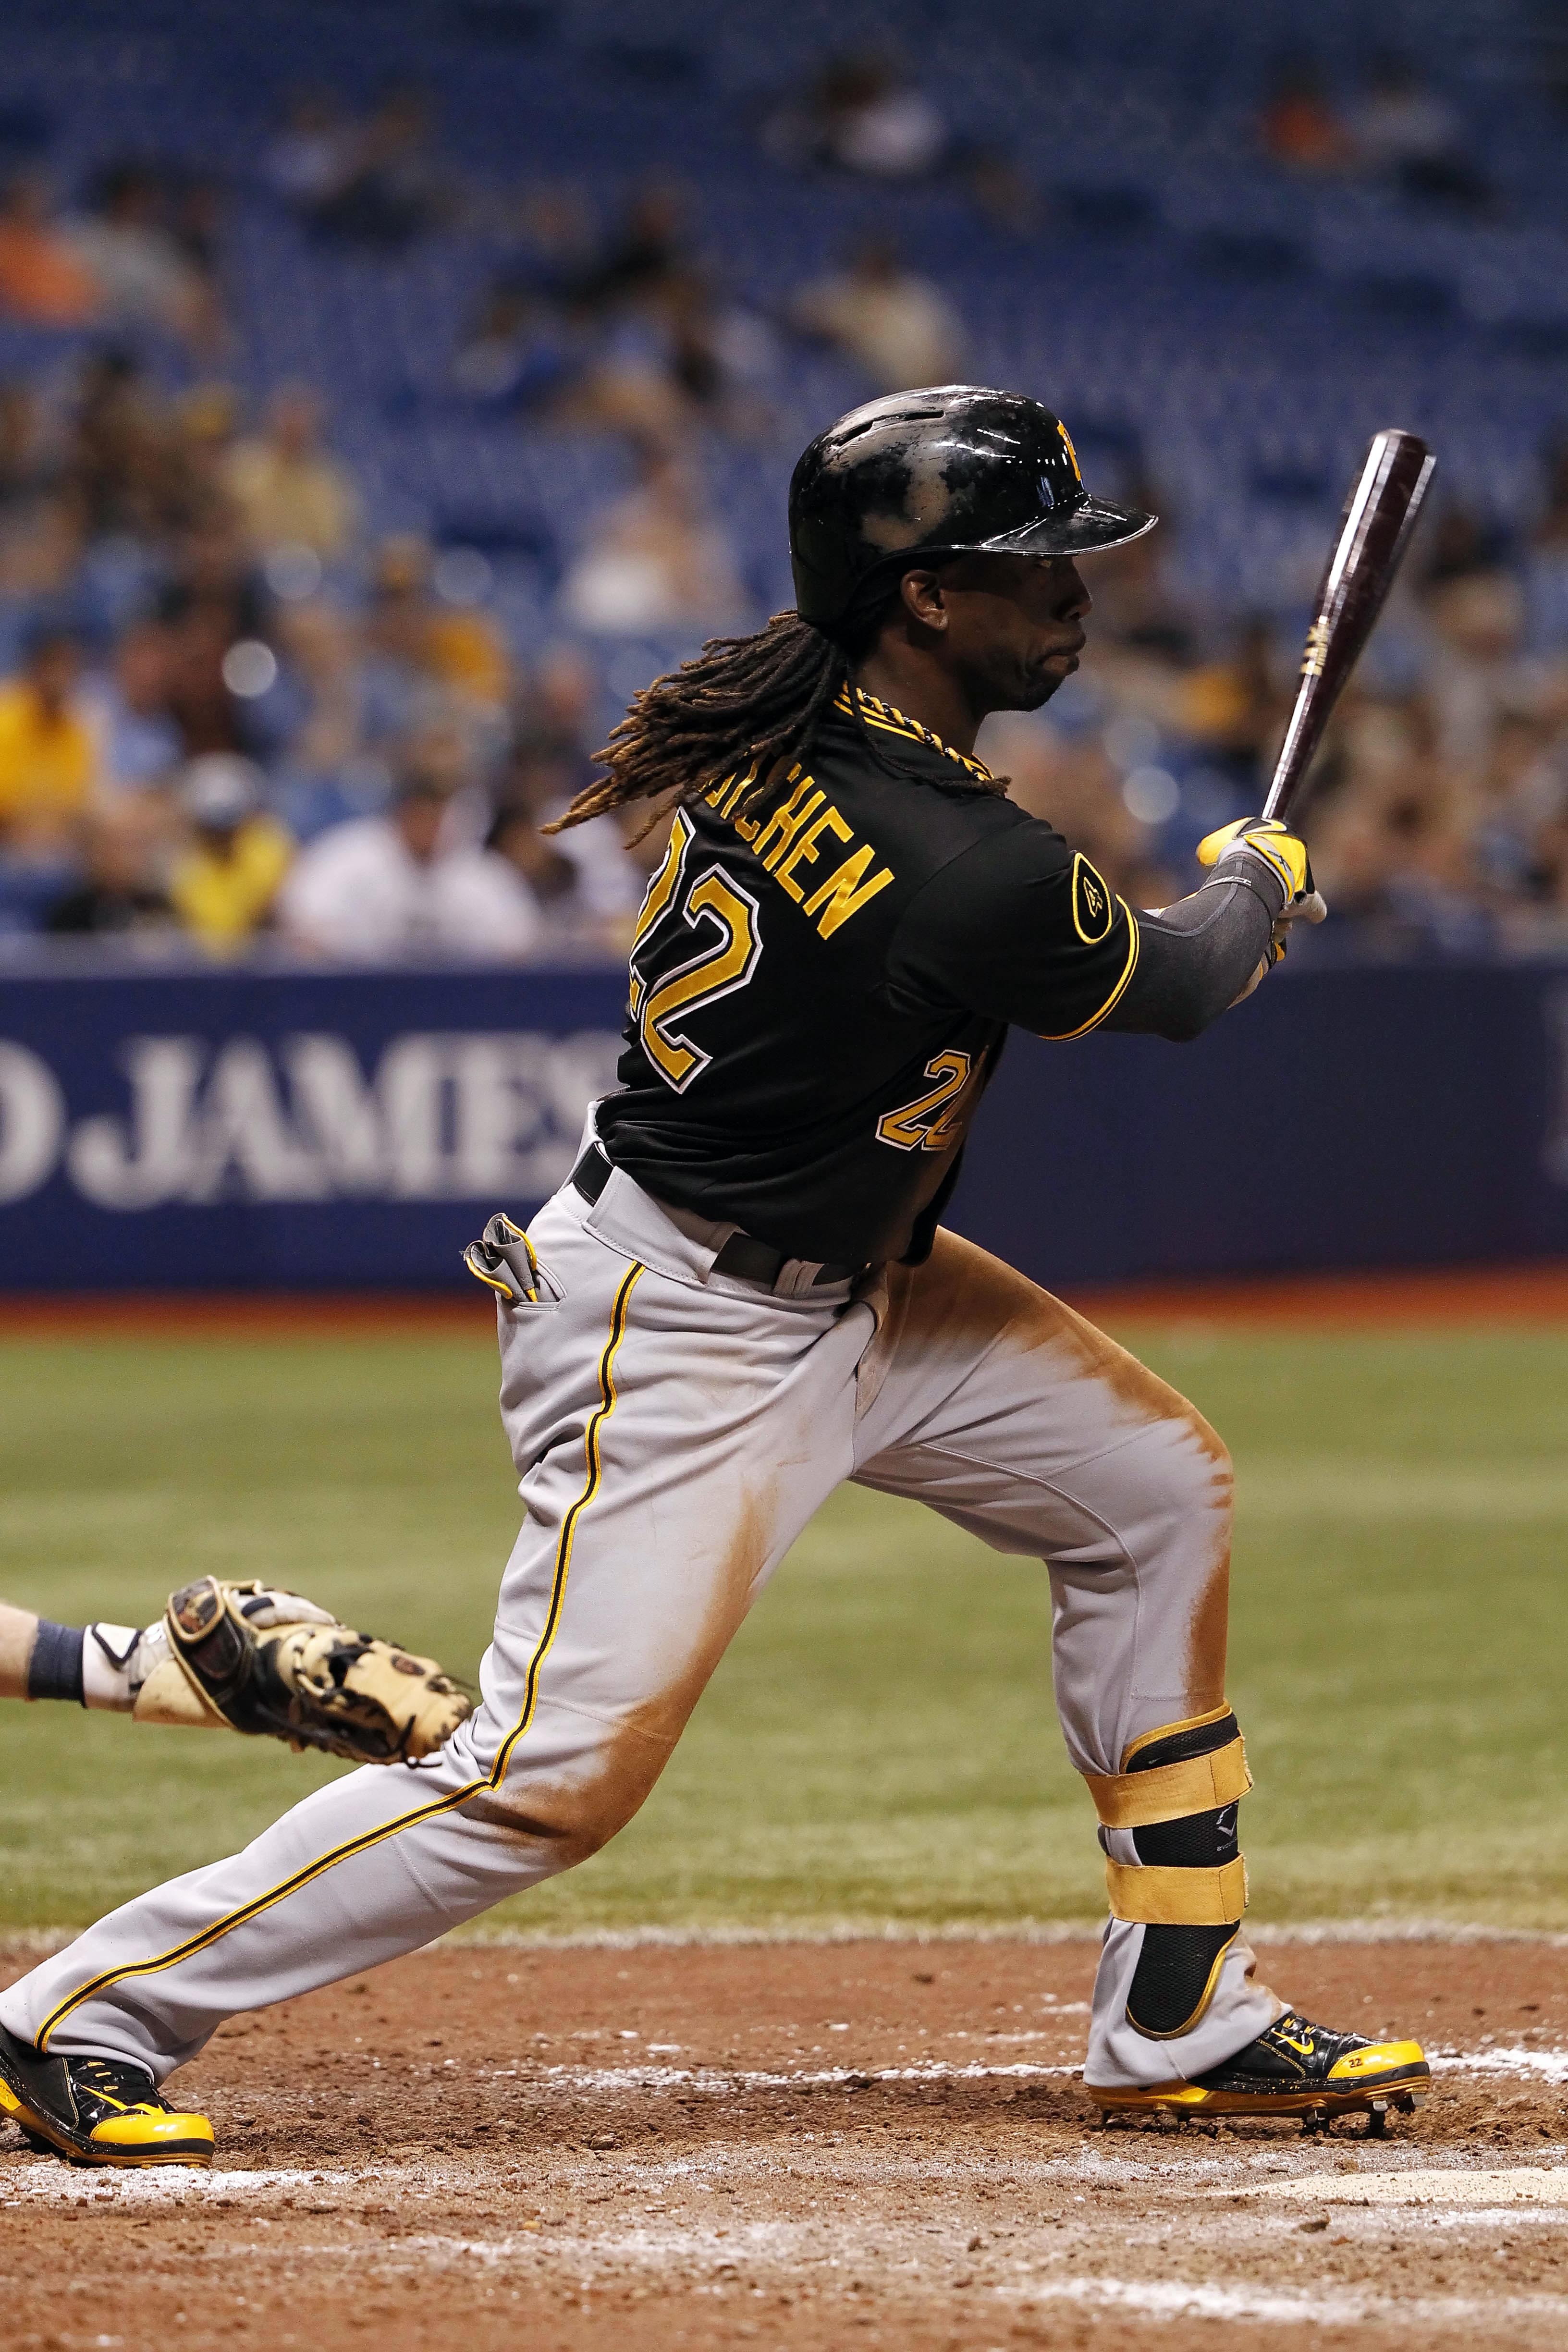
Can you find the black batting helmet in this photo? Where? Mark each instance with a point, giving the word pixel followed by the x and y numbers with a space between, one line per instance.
pixel 921 475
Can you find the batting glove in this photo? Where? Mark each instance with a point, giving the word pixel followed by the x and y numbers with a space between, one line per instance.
pixel 1281 851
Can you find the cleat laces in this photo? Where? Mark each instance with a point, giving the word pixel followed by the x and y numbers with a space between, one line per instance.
pixel 114 2083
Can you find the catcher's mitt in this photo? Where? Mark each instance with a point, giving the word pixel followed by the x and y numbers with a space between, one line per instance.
pixel 261 1660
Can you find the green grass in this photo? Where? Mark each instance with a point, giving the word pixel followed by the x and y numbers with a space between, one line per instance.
pixel 880 1742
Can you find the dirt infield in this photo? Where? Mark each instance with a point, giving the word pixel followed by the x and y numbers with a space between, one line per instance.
pixel 1359 1301
pixel 805 2147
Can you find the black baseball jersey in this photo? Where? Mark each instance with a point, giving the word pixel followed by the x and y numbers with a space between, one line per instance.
pixel 820 993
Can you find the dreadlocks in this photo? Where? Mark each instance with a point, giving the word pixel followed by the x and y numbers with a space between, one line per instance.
pixel 741 703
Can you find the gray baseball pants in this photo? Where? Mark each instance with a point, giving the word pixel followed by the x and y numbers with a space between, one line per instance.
pixel 674 1429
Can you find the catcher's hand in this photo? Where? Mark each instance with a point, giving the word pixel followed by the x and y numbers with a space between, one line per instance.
pixel 261 1660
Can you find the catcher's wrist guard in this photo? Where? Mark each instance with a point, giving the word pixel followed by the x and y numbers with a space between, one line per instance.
pixel 259 1660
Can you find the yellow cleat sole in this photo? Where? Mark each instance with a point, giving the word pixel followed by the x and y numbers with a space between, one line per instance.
pixel 1375 2094
pixel 188 2142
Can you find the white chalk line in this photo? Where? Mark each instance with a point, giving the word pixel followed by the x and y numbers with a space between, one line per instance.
pixel 1525 2184
pixel 753 2241
pixel 718 2081
pixel 1208 2299
pixel 1490 2217
pixel 51 2183
pixel 1537 2065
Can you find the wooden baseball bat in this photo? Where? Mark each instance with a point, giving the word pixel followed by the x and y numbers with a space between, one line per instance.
pixel 1375 532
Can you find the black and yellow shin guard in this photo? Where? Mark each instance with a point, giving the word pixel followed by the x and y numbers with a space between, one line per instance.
pixel 1177 1794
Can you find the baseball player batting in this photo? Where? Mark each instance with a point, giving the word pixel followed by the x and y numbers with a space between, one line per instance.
pixel 744 1295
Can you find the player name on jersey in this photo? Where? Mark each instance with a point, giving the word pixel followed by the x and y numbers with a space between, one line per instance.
pixel 792 837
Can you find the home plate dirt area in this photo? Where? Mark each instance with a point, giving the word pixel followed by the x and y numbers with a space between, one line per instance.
pixel 803 2146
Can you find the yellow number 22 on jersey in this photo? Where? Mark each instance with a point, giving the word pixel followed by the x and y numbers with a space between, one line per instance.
pixel 929 1123
pixel 713 900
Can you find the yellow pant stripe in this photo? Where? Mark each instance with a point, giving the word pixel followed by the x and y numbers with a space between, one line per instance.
pixel 1198 1784
pixel 1159 1897
pixel 602 1412
pixel 489 1780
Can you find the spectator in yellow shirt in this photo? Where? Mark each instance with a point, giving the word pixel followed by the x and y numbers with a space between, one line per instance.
pixel 455 647
pixel 224 883
pixel 292 492
pixel 47 759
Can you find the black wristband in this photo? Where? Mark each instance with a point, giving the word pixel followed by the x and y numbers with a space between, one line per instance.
pixel 53 1670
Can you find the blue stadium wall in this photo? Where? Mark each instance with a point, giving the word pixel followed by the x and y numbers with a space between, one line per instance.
pixel 179 1130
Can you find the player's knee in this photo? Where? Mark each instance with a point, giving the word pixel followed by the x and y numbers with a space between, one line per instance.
pixel 1178 1488
pixel 568 1824
pixel 1203 1479
pixel 1209 1474
pixel 573 1816
pixel 592 1816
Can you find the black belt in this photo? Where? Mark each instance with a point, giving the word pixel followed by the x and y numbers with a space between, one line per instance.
pixel 747 1259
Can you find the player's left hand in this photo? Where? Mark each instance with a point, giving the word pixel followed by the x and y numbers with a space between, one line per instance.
pixel 262 1660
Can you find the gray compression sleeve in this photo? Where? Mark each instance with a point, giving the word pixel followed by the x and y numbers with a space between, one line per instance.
pixel 1197 957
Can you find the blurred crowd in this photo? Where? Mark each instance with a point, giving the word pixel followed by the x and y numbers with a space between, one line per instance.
pixel 230 714
pixel 233 712
pixel 1395 128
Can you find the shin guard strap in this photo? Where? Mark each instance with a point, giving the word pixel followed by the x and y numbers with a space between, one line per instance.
pixel 1178 1898
pixel 1197 1784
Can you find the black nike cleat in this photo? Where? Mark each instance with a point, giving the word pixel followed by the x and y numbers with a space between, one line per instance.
pixel 1296 2068
pixel 96 2110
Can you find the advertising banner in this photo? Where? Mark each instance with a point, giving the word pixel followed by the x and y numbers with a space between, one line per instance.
pixel 287 1130
pixel 177 1129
